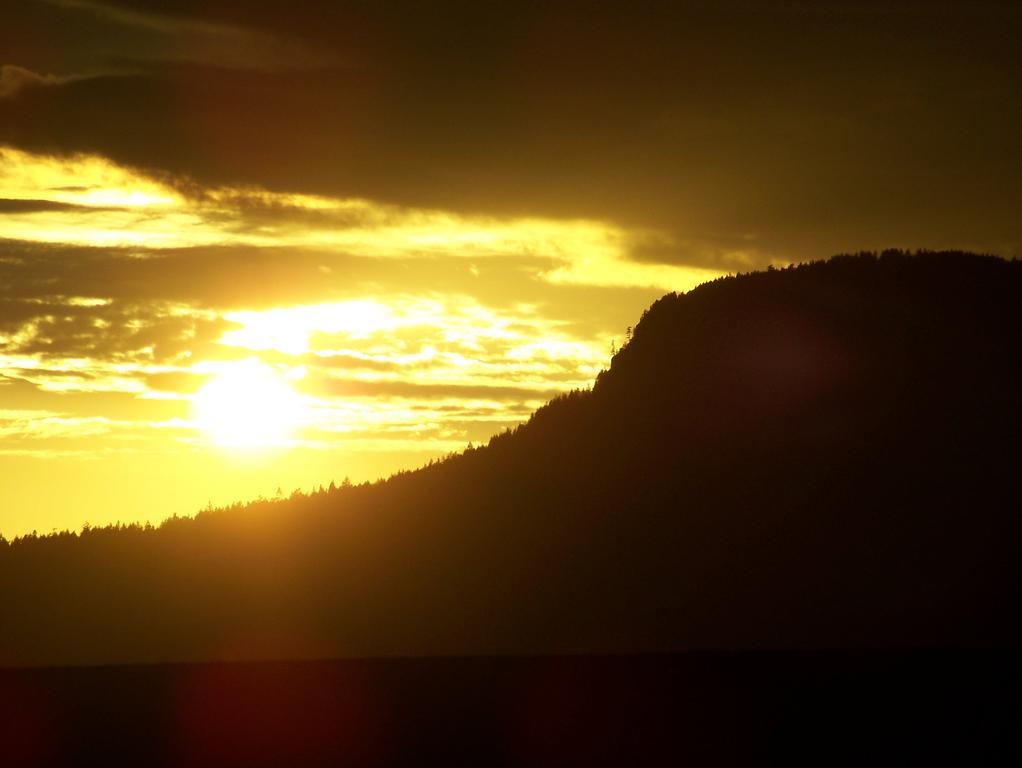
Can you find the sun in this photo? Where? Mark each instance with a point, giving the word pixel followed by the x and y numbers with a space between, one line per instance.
pixel 248 405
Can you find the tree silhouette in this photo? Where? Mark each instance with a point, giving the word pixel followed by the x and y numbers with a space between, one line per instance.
pixel 817 456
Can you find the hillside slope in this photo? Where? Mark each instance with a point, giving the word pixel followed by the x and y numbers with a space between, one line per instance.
pixel 819 456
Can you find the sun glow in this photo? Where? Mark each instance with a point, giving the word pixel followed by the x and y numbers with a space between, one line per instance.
pixel 248 405
pixel 288 329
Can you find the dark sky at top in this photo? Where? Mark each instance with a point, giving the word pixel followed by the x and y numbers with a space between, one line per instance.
pixel 785 129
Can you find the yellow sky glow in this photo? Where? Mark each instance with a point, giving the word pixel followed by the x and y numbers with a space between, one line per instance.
pixel 324 332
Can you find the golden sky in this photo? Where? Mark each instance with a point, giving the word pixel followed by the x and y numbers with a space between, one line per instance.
pixel 251 244
pixel 163 349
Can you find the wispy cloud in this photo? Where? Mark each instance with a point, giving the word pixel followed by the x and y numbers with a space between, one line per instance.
pixel 199 41
pixel 122 208
pixel 155 21
pixel 15 79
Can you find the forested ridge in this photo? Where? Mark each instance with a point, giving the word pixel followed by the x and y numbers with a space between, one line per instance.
pixel 825 455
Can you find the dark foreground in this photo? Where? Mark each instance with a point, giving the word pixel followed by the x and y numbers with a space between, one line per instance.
pixel 863 708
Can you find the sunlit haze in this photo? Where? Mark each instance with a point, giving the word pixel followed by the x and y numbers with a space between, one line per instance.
pixel 241 341
pixel 257 246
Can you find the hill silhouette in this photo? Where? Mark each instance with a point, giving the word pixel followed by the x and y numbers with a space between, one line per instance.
pixel 816 457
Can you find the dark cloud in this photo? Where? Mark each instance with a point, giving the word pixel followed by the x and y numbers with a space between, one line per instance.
pixel 123 305
pixel 219 277
pixel 348 362
pixel 169 38
pixel 14 80
pixel 225 277
pixel 121 331
pixel 174 381
pixel 792 129
pixel 146 19
pixel 40 206
pixel 118 333
pixel 14 386
pixel 19 393
pixel 37 278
